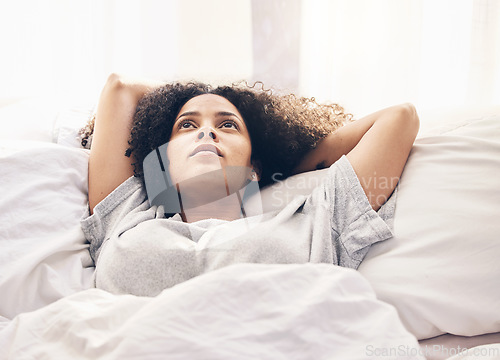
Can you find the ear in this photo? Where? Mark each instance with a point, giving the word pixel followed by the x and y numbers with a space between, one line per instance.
pixel 257 170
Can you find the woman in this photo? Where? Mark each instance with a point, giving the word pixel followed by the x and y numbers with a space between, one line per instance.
pixel 141 249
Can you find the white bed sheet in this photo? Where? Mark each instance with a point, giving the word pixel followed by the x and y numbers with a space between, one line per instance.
pixel 445 347
pixel 246 311
pixel 44 255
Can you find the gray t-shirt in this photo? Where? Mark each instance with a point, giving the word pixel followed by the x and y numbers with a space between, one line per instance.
pixel 137 250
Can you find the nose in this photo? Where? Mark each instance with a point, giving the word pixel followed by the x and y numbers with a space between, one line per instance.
pixel 207 132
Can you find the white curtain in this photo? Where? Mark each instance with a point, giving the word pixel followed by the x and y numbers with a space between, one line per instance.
pixel 434 53
pixel 364 54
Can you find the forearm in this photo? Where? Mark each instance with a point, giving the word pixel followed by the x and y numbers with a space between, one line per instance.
pixel 120 96
pixel 338 143
pixel 343 140
pixel 135 87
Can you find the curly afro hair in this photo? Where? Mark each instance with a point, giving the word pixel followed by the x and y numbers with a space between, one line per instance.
pixel 282 128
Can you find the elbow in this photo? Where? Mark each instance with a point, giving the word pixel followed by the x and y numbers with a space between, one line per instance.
pixel 119 88
pixel 115 82
pixel 408 114
pixel 412 113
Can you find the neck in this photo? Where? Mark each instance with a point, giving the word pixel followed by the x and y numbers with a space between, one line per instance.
pixel 227 208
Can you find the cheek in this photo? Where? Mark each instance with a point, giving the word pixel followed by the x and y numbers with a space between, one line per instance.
pixel 244 152
pixel 170 151
pixel 174 152
pixel 176 147
pixel 170 155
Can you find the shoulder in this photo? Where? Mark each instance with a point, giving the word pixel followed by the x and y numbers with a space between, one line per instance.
pixel 124 199
pixel 348 202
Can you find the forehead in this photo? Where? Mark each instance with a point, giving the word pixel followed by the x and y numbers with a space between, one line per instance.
pixel 209 102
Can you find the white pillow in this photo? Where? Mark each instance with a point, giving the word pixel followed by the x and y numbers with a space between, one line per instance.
pixel 28 119
pixel 441 270
pixel 43 119
pixel 44 255
pixel 68 123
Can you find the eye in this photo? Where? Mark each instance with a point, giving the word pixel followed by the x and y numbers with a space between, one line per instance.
pixel 228 124
pixel 185 124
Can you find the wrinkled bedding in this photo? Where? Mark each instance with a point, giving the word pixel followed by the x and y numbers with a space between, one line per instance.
pixel 239 312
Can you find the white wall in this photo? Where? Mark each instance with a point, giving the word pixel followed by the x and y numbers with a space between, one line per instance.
pixel 67 48
pixel 364 54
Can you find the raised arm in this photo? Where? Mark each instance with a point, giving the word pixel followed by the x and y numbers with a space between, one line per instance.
pixel 108 165
pixel 377 146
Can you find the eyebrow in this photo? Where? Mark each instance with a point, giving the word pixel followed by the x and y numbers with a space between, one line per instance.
pixel 197 113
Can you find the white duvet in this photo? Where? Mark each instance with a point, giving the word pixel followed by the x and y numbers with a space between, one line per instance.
pixel 246 311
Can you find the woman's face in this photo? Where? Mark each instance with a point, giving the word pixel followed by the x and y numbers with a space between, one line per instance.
pixel 209 133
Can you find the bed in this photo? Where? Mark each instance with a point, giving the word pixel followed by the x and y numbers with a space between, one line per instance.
pixel 431 292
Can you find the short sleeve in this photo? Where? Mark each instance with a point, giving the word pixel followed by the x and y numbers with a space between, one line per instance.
pixel 355 225
pixel 111 214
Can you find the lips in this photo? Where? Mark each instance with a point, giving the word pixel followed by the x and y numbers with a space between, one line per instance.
pixel 206 147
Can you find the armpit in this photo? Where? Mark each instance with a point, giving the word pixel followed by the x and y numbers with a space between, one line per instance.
pixel 321 165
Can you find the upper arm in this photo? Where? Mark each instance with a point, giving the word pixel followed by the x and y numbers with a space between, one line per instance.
pixel 379 157
pixel 108 165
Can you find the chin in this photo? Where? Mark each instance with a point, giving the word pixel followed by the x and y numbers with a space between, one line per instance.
pixel 209 185
pixel 210 182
